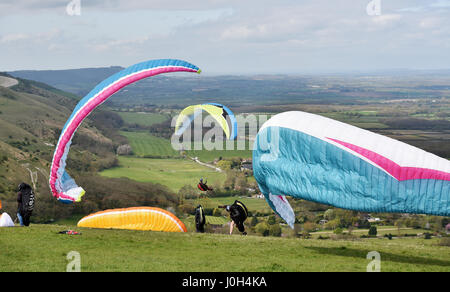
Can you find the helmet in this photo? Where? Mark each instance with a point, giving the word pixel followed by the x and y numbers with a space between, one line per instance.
pixel 22 186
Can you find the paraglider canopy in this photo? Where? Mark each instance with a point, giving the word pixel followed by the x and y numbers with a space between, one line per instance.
pixel 318 159
pixel 63 187
pixel 222 114
pixel 134 218
pixel 6 221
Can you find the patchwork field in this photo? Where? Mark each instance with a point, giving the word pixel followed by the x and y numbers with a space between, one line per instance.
pixel 144 144
pixel 227 153
pixel 173 173
pixel 147 145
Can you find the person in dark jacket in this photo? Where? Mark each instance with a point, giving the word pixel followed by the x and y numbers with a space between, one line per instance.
pixel 200 219
pixel 203 186
pixel 238 214
pixel 25 204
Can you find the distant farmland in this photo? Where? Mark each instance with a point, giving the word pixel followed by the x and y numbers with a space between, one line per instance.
pixel 173 173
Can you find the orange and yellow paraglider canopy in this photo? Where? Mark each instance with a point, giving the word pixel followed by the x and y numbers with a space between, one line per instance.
pixel 135 218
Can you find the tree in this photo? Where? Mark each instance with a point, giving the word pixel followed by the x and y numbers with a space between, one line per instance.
pixel 309 227
pixel 241 182
pixel 373 230
pixel 188 192
pixel 329 214
pixel 254 221
pixel 271 220
pixel 333 224
pixel 262 228
pixel 275 230
pixel 338 231
pixel 217 212
pixel 224 164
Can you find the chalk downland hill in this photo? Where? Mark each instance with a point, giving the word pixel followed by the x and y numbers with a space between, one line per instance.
pixel 32 115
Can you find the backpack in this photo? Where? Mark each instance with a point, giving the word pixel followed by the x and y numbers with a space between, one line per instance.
pixel 28 199
pixel 199 218
pixel 243 207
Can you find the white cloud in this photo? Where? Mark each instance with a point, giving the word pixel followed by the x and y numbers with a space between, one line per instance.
pixel 221 35
pixel 10 38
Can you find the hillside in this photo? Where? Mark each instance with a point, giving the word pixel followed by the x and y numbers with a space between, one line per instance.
pixel 32 115
pixel 7 81
pixel 41 248
pixel 76 81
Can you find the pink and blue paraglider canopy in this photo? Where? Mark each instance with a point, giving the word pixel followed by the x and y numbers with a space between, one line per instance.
pixel 63 187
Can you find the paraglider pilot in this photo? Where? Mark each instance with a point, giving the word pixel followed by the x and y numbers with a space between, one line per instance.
pixel 203 186
pixel 200 219
pixel 25 202
pixel 238 214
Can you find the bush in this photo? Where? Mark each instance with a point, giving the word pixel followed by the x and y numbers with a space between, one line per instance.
pixel 253 221
pixel 217 212
pixel 187 208
pixel 427 235
pixel 275 230
pixel 262 228
pixel 373 231
pixel 338 231
pixel 271 220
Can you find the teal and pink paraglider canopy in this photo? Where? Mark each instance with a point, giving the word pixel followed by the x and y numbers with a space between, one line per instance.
pixel 311 157
pixel 63 187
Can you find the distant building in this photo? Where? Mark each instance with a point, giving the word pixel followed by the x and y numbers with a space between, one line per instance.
pixel 323 221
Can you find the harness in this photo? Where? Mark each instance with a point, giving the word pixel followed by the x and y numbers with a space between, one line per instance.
pixel 243 207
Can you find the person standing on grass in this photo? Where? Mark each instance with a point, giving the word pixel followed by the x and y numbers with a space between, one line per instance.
pixel 25 204
pixel 200 219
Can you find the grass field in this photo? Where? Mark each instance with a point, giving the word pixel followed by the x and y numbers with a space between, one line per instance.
pixel 381 231
pixel 227 152
pixel 190 221
pixel 41 248
pixel 173 173
pixel 144 144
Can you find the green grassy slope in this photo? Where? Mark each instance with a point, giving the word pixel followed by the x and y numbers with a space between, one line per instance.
pixel 41 248
pixel 174 173
pixel 144 144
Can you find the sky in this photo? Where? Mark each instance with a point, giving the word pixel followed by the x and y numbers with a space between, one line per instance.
pixel 234 37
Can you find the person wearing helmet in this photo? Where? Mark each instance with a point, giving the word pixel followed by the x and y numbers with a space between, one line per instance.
pixel 25 204
pixel 203 186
